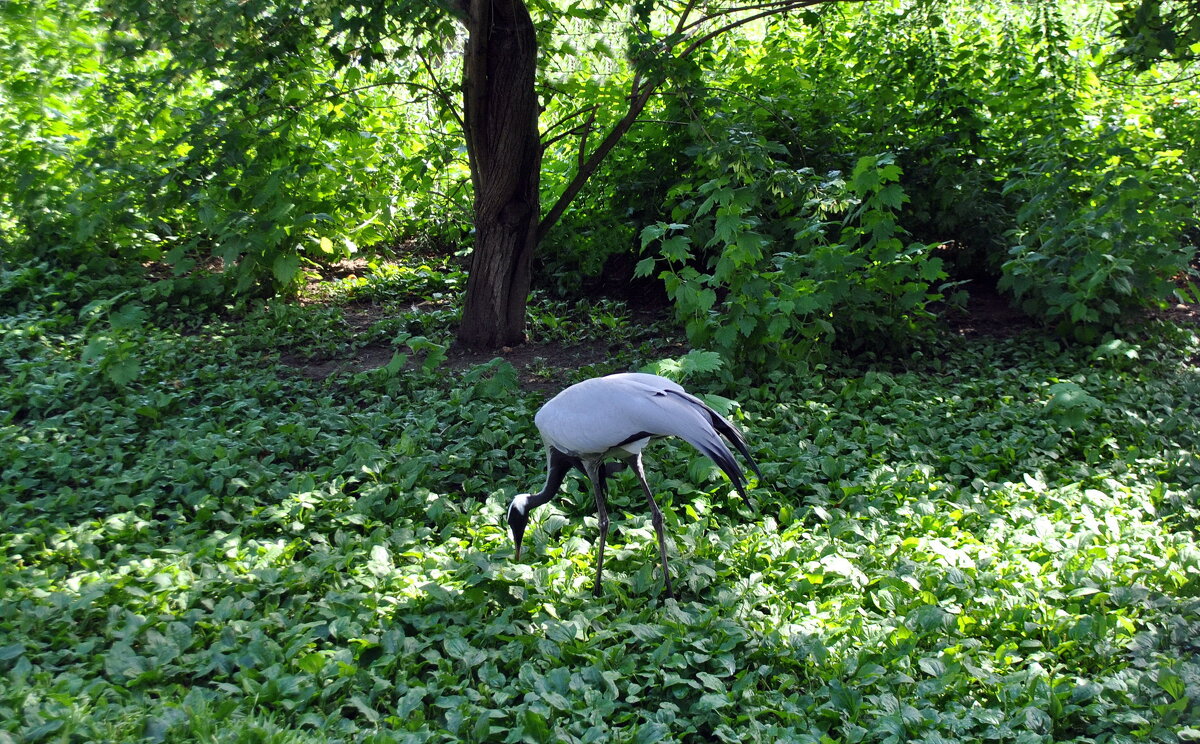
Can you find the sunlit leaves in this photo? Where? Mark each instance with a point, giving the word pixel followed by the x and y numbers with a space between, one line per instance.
pixel 789 297
pixel 1086 246
pixel 245 547
pixel 231 132
pixel 1071 404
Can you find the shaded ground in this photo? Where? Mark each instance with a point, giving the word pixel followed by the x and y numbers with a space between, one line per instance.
pixel 987 313
pixel 532 360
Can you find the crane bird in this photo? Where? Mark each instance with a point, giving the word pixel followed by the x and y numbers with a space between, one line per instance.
pixel 615 417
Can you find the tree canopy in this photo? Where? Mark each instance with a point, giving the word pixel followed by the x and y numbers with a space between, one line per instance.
pixel 1158 30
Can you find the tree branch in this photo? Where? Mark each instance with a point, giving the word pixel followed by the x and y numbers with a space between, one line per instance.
pixel 577 112
pixel 588 167
pixel 583 138
pixel 680 27
pixel 441 93
pixel 775 8
pixel 641 89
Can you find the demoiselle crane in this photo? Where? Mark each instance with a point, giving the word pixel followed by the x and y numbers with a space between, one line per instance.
pixel 615 417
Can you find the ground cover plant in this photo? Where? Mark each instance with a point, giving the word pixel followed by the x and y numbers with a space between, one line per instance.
pixel 983 539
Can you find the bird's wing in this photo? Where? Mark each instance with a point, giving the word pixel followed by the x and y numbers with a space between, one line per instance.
pixel 594 417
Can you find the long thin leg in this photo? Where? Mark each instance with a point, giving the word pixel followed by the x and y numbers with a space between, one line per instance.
pixel 596 476
pixel 656 518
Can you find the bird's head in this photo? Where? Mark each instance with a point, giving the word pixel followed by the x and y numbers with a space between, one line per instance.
pixel 517 518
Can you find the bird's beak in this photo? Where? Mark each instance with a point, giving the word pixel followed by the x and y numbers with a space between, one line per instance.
pixel 516 523
pixel 518 533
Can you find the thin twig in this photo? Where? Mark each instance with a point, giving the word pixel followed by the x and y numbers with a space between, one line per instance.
pixel 577 112
pixel 446 100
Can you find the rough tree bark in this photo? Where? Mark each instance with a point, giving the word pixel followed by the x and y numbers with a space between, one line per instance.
pixel 501 122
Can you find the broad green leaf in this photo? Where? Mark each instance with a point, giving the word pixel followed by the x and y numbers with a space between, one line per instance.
pixel 285 268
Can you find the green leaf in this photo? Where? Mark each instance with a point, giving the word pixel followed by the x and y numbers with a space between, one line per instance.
pixel 712 701
pixel 675 248
pixel 41 731
pixel 131 315
pixel 395 364
pixel 313 662
pixel 892 196
pixel 536 727
pixel 123 370
pixel 285 268
pixel 649 733
pixel 651 233
pixel 96 349
pixel 1172 684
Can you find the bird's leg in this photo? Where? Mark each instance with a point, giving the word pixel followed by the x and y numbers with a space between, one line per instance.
pixel 656 518
pixel 596 476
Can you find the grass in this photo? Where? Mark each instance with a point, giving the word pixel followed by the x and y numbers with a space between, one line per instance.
pixel 994 540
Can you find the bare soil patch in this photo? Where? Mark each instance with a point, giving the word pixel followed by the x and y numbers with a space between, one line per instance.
pixel 987 313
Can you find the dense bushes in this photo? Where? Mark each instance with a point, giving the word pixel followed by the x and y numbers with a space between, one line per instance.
pixel 1099 229
pixel 225 132
pixel 1067 181
pixel 853 279
pixel 145 136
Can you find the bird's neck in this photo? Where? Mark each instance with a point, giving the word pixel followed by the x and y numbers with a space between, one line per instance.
pixel 541 497
pixel 557 467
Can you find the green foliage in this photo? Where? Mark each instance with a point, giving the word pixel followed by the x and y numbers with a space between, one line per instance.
pixel 393 282
pixel 1099 231
pixel 693 362
pixel 1005 123
pixel 573 322
pixel 843 273
pixel 926 82
pixel 1154 31
pixel 256 138
pixel 998 543
pixel 237 132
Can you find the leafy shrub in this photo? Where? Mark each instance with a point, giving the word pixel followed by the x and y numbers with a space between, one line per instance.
pixel 1099 231
pixel 396 282
pixel 912 82
pixel 764 297
pixel 1005 126
pixel 150 136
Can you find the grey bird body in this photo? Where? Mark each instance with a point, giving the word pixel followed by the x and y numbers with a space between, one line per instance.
pixel 615 417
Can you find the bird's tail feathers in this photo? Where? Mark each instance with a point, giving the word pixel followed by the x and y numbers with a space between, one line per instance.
pixel 724 428
pixel 705 435
pixel 719 454
pixel 730 432
pixel 715 449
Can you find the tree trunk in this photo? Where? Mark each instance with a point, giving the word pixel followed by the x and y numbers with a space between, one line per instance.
pixel 501 117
